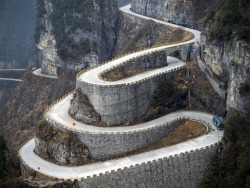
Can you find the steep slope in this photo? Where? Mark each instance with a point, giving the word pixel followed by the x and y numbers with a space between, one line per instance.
pixel 22 112
pixel 77 34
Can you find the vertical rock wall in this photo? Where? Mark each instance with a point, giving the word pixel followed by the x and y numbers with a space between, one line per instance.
pixel 174 11
pixel 102 38
pixel 230 62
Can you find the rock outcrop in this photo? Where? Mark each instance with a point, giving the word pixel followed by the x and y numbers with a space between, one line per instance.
pixel 174 11
pixel 81 109
pixel 230 62
pixel 60 148
pixel 90 39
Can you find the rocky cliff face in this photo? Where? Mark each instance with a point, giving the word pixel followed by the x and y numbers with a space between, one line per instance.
pixel 182 12
pixel 47 43
pixel 60 148
pixel 135 33
pixel 87 36
pixel 175 11
pixel 230 62
pixel 81 109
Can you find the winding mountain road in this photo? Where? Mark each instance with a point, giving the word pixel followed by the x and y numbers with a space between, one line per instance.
pixel 38 72
pixel 11 79
pixel 59 114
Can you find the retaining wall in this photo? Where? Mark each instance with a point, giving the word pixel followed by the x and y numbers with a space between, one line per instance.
pixel 118 103
pixel 104 145
pixel 183 170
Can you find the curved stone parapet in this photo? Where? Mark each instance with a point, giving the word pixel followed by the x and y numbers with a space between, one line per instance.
pixel 199 150
pixel 128 99
pixel 106 142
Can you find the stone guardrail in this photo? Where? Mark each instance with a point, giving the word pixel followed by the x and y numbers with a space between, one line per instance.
pixel 193 161
pixel 133 58
pixel 113 143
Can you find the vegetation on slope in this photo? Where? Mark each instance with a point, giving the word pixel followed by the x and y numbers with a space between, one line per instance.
pixel 66 18
pixel 229 21
pixel 3 164
pixel 232 168
pixel 63 18
pixel 147 37
pixel 8 174
pixel 26 106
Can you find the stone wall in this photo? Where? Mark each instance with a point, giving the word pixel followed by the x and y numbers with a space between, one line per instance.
pixel 155 60
pixel 181 170
pixel 104 145
pixel 118 103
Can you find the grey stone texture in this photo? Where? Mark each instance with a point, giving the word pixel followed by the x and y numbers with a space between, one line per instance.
pixel 102 38
pixel 82 110
pixel 230 61
pixel 183 170
pixel 117 104
pixel 104 145
pixel 155 60
pixel 175 11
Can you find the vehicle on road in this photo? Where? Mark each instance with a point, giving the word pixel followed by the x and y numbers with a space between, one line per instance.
pixel 217 122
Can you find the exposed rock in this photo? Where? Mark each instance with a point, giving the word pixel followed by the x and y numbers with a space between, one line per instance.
pixel 174 11
pixel 81 109
pixel 101 38
pixel 60 148
pixel 230 61
pixel 137 33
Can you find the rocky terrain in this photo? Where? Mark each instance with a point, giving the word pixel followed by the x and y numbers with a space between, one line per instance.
pixel 188 13
pixel 21 114
pixel 89 28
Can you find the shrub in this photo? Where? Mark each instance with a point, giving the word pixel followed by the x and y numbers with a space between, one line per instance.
pixel 244 88
pixel 3 165
pixel 65 21
pixel 209 180
pixel 42 123
pixel 2 144
pixel 228 21
pixel 15 183
pixel 243 161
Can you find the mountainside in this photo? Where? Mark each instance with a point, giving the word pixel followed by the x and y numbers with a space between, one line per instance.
pixel 188 13
pixel 80 34
pixel 76 34
pixel 226 50
pixel 17 20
